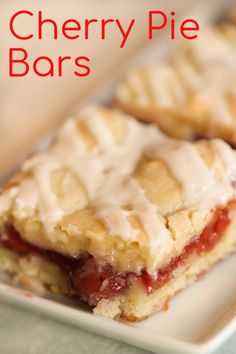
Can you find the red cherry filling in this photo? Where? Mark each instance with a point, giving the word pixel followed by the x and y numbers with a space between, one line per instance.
pixel 94 281
pixel 10 239
pixel 90 281
pixel 210 236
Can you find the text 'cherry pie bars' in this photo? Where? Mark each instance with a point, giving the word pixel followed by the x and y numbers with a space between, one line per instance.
pixel 118 214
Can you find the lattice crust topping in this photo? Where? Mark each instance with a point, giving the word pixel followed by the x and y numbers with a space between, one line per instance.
pixel 118 189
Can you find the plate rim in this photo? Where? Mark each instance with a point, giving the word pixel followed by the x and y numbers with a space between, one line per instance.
pixel 127 333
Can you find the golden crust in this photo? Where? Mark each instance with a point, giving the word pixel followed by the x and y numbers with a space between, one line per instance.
pixel 40 275
pixel 80 230
pixel 192 95
pixel 33 273
pixel 49 205
pixel 137 305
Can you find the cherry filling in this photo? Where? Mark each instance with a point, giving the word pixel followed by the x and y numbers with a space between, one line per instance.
pixel 93 281
pixel 90 280
pixel 11 239
pixel 210 236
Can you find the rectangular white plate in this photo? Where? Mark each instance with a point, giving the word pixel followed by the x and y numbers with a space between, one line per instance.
pixel 199 319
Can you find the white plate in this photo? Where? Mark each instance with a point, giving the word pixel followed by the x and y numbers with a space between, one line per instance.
pixel 198 320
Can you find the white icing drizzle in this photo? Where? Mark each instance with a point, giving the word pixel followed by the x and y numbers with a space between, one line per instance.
pixel 153 223
pixel 108 204
pixel 115 219
pixel 42 166
pixel 69 137
pixel 91 165
pixel 186 166
pixel 72 151
pixel 94 168
pixel 51 214
pixel 197 181
pixel 227 155
pixel 105 171
pixel 118 190
pixel 27 197
pixel 121 192
pixel 97 126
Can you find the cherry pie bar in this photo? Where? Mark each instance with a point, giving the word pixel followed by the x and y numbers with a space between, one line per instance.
pixel 117 214
pixel 193 94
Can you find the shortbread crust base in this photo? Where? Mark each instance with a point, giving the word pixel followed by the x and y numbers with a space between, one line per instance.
pixel 137 305
pixel 40 275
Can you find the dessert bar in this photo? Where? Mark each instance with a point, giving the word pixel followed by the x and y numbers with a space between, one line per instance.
pixel 117 214
pixel 193 94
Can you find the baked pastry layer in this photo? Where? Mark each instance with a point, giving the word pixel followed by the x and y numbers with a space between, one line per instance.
pixel 193 94
pixel 34 272
pixel 138 305
pixel 113 203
